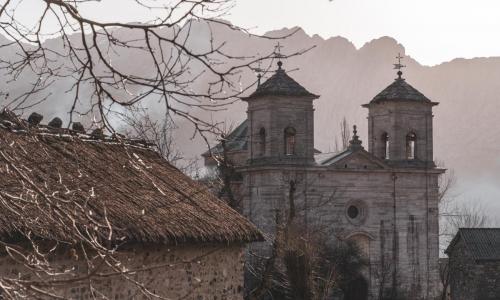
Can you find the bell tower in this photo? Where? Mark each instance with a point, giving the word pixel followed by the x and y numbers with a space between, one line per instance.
pixel 281 122
pixel 400 124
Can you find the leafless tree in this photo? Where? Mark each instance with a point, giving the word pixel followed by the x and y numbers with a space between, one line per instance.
pixel 469 216
pixel 447 183
pixel 383 271
pixel 455 213
pixel 227 173
pixel 160 133
pixel 82 50
pixel 180 75
pixel 304 262
pixel 223 178
pixel 444 277
pixel 345 136
pixel 458 215
pixel 462 215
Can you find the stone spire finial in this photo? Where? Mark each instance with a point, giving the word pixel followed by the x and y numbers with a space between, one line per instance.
pixel 355 142
pixel 399 66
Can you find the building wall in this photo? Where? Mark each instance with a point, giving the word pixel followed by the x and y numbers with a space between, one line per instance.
pixel 323 196
pixel 471 280
pixel 463 283
pixel 195 272
pixel 488 280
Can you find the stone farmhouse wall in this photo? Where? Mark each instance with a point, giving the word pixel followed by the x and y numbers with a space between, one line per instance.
pixel 323 197
pixel 462 280
pixel 488 274
pixel 471 280
pixel 196 272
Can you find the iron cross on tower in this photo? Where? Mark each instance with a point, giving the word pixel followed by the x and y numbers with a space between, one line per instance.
pixel 399 66
pixel 279 56
pixel 259 70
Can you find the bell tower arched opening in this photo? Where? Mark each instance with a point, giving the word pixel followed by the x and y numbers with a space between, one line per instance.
pixel 290 133
pixel 411 143
pixel 385 145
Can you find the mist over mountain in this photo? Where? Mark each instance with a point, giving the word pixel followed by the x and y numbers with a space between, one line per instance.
pixel 466 122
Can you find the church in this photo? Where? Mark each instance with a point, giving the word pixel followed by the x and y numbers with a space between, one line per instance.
pixel 382 194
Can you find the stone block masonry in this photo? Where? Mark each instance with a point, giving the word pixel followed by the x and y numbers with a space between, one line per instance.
pixel 197 272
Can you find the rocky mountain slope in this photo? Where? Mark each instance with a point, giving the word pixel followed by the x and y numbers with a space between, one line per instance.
pixel 467 123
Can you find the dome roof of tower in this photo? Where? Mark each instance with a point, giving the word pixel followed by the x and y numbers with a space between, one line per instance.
pixel 400 90
pixel 280 84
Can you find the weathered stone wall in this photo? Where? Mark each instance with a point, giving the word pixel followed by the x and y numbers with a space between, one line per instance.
pixel 195 272
pixel 488 280
pixel 404 206
pixel 471 280
pixel 462 279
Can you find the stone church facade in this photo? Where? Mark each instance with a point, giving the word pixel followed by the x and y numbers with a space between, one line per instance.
pixel 384 197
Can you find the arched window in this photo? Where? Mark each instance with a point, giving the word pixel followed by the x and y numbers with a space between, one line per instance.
pixel 411 140
pixel 362 242
pixel 290 141
pixel 262 141
pixel 385 141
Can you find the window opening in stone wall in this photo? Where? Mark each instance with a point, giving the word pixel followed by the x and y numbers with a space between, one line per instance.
pixel 385 140
pixel 352 212
pixel 262 141
pixel 290 141
pixel 363 243
pixel 411 139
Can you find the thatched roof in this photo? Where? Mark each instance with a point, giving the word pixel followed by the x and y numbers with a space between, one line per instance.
pixel 55 180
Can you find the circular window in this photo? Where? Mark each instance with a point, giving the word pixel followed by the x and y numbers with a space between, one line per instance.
pixel 353 212
pixel 356 211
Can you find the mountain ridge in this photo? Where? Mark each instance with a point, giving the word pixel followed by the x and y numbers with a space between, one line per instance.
pixel 466 123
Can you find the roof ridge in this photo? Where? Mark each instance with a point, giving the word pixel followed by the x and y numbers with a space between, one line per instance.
pixel 479 228
pixel 15 124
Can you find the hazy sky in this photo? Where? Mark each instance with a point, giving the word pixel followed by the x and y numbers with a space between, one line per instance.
pixel 432 31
